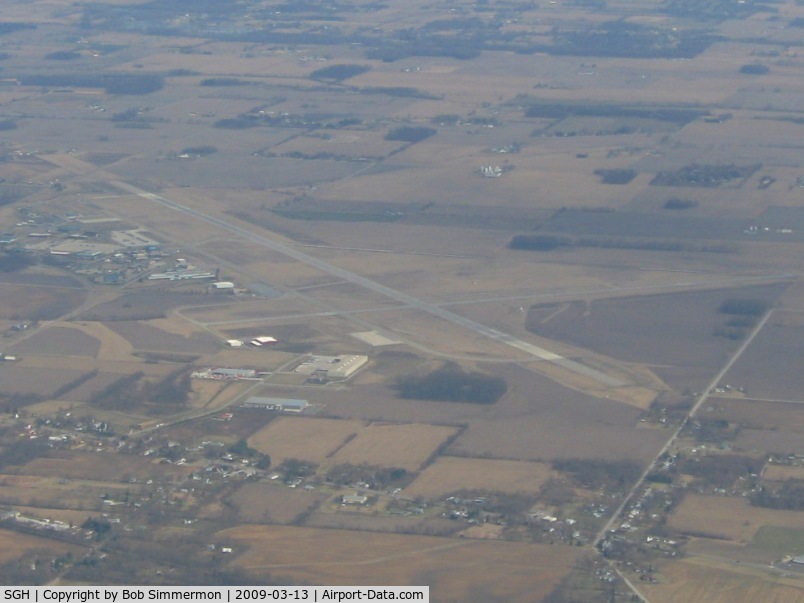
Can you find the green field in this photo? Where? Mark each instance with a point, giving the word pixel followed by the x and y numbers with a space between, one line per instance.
pixel 781 541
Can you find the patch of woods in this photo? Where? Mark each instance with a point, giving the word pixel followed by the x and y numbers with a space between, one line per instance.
pixel 258 117
pixel 368 477
pixel 295 469
pixel 450 383
pixel 744 307
pixel 224 81
pixel 435 45
pixel 743 316
pixel 243 450
pixel 236 123
pixel 715 10
pixel 99 527
pixel 397 91
pixel 616 176
pixel 22 451
pixel 786 496
pixel 14 262
pixel 712 430
pixel 135 119
pixel 11 27
pixel 165 395
pixel 755 69
pixel 704 176
pixel 411 134
pixel 720 470
pixel 594 473
pixel 338 73
pixel 112 83
pixel 63 55
pixel 125 554
pixel 546 242
pixel 540 109
pixel 679 204
pixel 625 39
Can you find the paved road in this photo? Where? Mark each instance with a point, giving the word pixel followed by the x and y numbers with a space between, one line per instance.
pixel 701 399
pixel 617 515
pixel 409 300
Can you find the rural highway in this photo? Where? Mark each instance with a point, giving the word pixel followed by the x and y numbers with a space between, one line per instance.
pixel 699 401
pixel 616 516
pixel 409 300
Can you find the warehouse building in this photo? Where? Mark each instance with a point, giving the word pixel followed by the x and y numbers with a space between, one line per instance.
pixel 224 373
pixel 233 373
pixel 332 367
pixel 280 404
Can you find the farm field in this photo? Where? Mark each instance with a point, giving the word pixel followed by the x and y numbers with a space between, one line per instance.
pixel 117 469
pixel 407 446
pixel 60 341
pixel 144 305
pixel 762 415
pixel 768 368
pixel 783 472
pixel 16 545
pixel 449 566
pixel 332 441
pixel 695 580
pixel 452 474
pixel 539 419
pixel 272 503
pixel 727 518
pixel 307 439
pixel 674 329
pixel 40 302
pixel 146 337
pixel 47 492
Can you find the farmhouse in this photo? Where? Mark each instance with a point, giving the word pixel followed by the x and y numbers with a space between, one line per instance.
pixel 280 404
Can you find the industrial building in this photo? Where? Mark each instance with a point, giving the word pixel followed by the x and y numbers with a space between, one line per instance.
pixel 280 404
pixel 263 340
pixel 233 373
pixel 332 367
pixel 181 275
pixel 354 499
pixel 225 373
